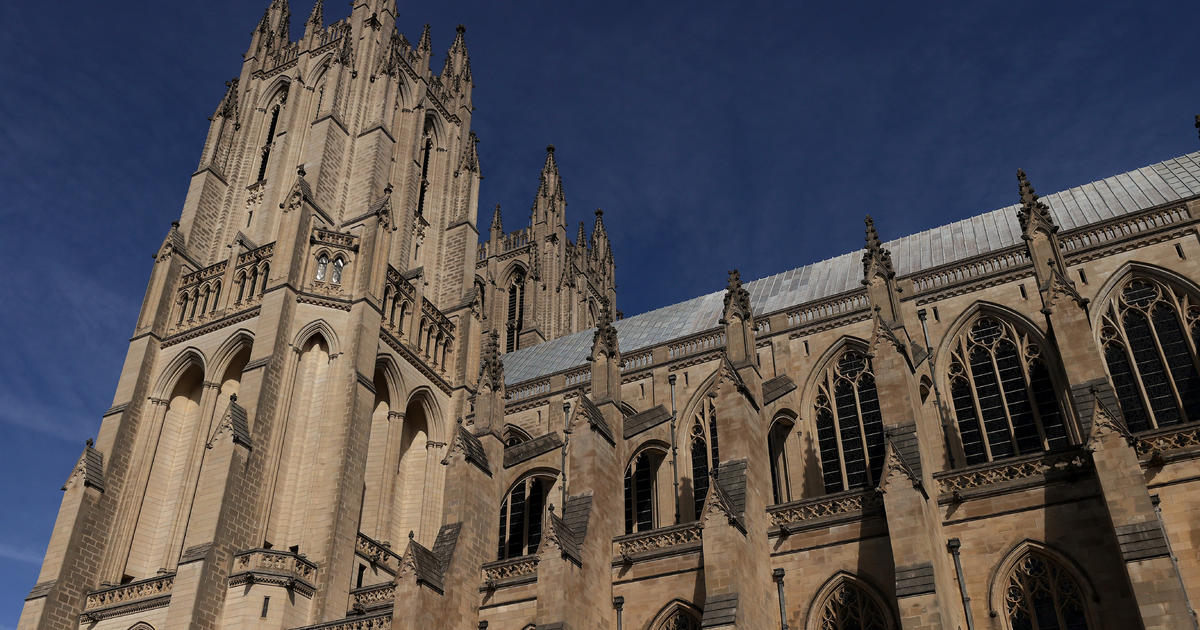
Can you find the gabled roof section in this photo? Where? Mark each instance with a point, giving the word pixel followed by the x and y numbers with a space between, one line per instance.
pixel 1141 189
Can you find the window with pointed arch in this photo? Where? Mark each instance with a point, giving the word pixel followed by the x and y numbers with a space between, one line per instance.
pixel 322 267
pixel 849 425
pixel 521 516
pixel 849 606
pixel 641 490
pixel 516 310
pixel 1150 333
pixel 777 449
pixel 705 444
pixel 1002 392
pixel 1041 594
pixel 338 266
pixel 678 618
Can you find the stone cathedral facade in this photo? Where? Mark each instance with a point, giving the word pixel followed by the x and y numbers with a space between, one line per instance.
pixel 339 410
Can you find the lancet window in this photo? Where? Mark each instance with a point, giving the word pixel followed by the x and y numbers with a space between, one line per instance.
pixel 521 516
pixel 338 266
pixel 322 267
pixel 849 607
pixel 777 449
pixel 705 449
pixel 1002 392
pixel 679 619
pixel 516 311
pixel 1150 333
pixel 269 143
pixel 849 425
pixel 1042 595
pixel 641 490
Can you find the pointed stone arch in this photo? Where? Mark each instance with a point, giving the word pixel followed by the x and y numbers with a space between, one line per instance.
pixel 984 307
pixel 281 85
pixel 141 625
pixel 1147 326
pixel 317 327
pixel 1130 269
pixel 1063 567
pixel 842 415
pixel 846 589
pixel 188 357
pixel 843 343
pixel 236 343
pixel 1034 413
pixel 669 617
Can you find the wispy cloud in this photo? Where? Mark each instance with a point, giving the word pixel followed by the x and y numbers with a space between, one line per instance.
pixel 23 555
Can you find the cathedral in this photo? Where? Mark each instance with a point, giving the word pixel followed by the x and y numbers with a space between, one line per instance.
pixel 345 406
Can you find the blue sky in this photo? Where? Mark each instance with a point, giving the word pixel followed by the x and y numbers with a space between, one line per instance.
pixel 714 134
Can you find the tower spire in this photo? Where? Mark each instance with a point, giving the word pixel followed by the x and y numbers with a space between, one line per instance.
pixel 316 19
pixel 550 204
pixel 497 229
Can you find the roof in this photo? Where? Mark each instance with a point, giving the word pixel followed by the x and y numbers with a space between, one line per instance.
pixel 1109 198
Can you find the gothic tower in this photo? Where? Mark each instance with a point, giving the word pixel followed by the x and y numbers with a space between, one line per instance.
pixel 310 333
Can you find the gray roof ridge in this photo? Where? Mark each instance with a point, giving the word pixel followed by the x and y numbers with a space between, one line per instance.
pixel 823 279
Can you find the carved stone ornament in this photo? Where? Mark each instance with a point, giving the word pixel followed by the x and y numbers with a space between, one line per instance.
pixel 1034 215
pixel 737 300
pixel 604 341
pixel 894 466
pixel 876 260
pixel 491 366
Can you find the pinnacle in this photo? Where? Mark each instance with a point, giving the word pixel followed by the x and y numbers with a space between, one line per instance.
pixel 317 17
pixel 460 29
pixel 1198 121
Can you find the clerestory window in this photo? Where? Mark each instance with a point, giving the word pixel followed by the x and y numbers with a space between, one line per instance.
pixel 1002 393
pixel 1149 333
pixel 849 425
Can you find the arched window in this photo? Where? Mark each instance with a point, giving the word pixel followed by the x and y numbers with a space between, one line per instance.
pixel 1002 393
pixel 521 516
pixel 849 425
pixel 705 449
pixel 1040 594
pixel 266 271
pixel 678 618
pixel 338 266
pixel 241 282
pixel 1149 334
pixel 183 307
pixel 848 606
pixel 322 267
pixel 516 310
pixel 268 144
pixel 426 157
pixel 641 490
pixel 253 279
pixel 776 447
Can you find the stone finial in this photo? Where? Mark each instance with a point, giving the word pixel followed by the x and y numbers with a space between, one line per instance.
pixel 317 16
pixel 497 228
pixel 1198 123
pixel 549 180
pixel 581 237
pixel 604 341
pixel 491 366
pixel 425 44
pixel 876 260
pixel 737 299
pixel 1033 213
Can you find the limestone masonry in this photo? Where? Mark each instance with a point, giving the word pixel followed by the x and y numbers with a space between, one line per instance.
pixel 340 410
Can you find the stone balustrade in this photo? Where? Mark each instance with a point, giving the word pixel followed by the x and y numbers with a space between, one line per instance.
pixel 663 539
pixel 155 587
